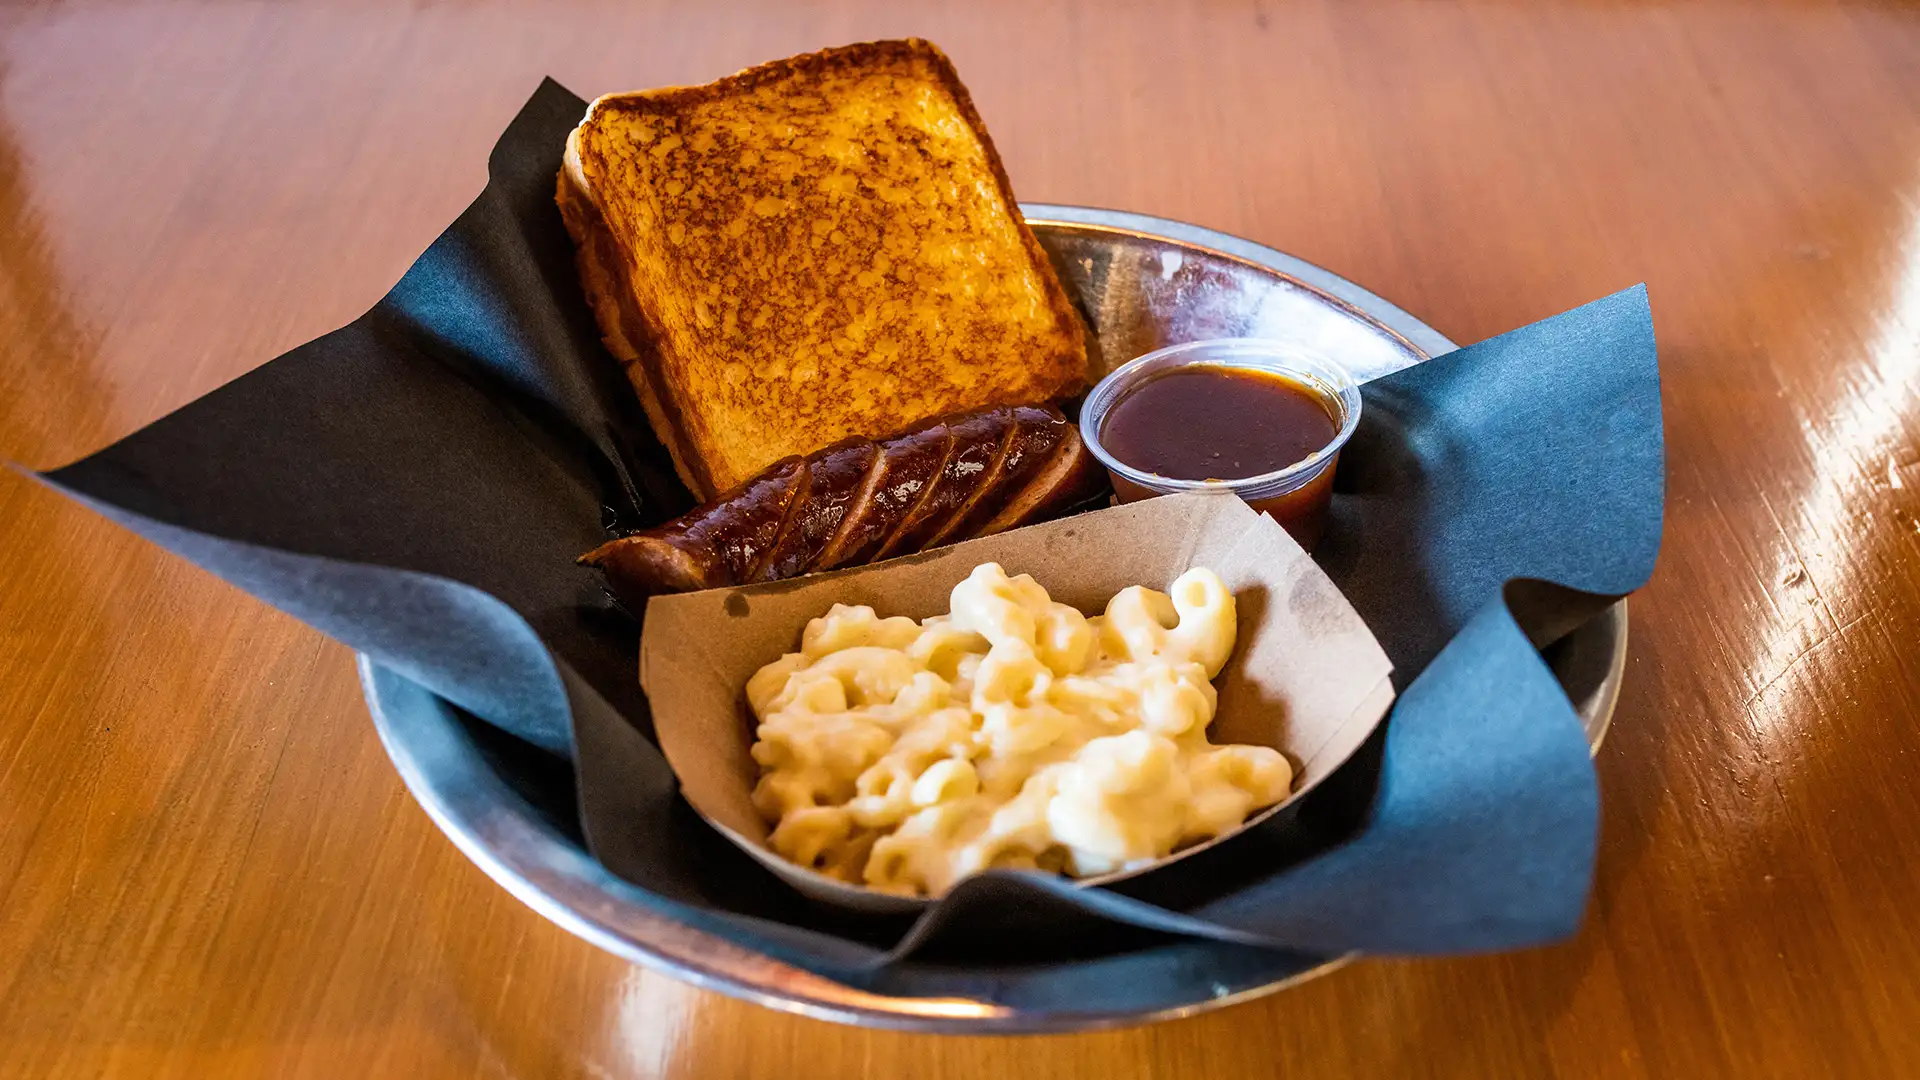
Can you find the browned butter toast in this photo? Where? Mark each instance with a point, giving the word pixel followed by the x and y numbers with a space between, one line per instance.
pixel 814 249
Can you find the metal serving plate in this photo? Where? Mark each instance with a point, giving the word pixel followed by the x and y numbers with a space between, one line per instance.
pixel 1144 282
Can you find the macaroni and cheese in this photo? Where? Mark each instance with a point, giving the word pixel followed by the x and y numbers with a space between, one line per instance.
pixel 1012 732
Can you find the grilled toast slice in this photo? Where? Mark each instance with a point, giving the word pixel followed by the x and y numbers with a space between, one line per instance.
pixel 814 249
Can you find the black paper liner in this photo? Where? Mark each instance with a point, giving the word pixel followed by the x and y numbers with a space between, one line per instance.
pixel 417 484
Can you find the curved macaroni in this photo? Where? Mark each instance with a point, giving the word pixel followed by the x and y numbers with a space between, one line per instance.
pixel 1014 732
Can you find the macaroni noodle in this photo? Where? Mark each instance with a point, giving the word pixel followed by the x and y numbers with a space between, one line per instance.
pixel 1012 732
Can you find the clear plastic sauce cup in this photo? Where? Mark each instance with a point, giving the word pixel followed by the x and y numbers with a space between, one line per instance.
pixel 1263 419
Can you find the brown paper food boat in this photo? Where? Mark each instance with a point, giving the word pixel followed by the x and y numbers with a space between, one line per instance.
pixel 1306 676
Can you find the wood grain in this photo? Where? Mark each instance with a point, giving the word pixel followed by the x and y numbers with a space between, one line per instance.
pixel 207 867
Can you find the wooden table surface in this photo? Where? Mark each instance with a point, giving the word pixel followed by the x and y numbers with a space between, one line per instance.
pixel 208 868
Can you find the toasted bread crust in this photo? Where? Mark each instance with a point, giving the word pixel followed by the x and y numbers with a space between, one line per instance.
pixel 600 262
pixel 819 248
